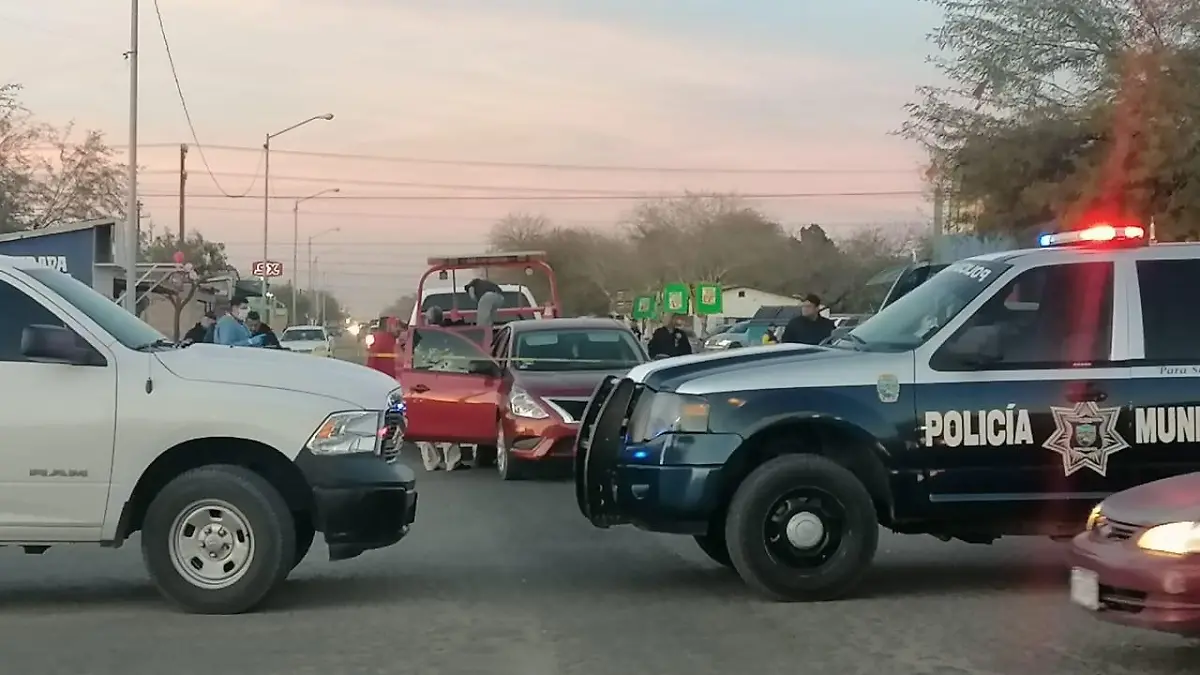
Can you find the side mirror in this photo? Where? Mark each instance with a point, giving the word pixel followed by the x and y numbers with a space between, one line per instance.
pixel 485 367
pixel 54 344
pixel 975 348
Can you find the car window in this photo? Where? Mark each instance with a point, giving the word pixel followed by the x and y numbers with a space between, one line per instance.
pixel 125 327
pixel 462 301
pixel 20 311
pixel 302 334
pixel 443 351
pixel 500 343
pixel 577 349
pixel 1169 324
pixel 1058 316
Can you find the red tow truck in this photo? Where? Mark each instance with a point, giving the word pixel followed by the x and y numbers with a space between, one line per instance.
pixel 451 386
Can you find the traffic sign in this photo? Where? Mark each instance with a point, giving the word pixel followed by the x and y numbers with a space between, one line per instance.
pixel 267 268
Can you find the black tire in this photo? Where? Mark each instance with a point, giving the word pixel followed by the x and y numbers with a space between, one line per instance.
pixel 485 456
pixel 269 526
pixel 305 533
pixel 714 547
pixel 827 570
pixel 509 467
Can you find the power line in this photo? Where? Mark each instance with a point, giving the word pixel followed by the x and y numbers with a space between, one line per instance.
pixel 570 198
pixel 554 167
pixel 438 186
pixel 162 29
pixel 390 216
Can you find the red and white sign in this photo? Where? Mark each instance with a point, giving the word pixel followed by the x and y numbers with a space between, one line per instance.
pixel 267 268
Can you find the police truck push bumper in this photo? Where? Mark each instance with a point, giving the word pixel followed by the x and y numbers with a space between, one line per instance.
pixel 668 484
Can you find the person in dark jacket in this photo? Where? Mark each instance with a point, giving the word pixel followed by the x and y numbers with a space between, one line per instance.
pixel 202 331
pixel 255 323
pixel 810 328
pixel 489 298
pixel 669 339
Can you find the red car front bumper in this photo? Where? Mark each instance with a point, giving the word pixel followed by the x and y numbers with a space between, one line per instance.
pixel 537 440
pixel 1137 588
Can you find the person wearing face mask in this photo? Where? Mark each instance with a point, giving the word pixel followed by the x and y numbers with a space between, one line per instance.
pixel 231 328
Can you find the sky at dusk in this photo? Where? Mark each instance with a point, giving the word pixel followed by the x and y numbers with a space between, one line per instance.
pixel 732 84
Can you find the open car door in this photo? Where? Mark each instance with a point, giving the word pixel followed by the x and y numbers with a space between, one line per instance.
pixel 451 386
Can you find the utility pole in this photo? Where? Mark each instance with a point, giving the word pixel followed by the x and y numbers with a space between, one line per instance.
pixel 318 296
pixel 183 150
pixel 131 204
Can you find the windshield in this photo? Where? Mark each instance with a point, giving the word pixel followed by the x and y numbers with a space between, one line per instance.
pixel 302 334
pixel 125 327
pixel 447 301
pixel 577 349
pixel 910 321
pixel 739 327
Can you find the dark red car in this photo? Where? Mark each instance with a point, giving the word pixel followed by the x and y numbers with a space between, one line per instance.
pixel 521 401
pixel 1138 563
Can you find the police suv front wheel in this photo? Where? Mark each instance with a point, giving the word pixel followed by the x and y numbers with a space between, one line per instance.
pixel 218 540
pixel 802 528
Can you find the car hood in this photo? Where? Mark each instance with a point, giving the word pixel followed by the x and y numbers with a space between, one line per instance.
pixel 1163 501
pixel 277 369
pixel 670 374
pixel 562 384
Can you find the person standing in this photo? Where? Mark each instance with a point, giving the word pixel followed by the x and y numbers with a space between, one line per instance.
pixel 258 328
pixel 769 336
pixel 810 328
pixel 231 329
pixel 669 339
pixel 489 298
pixel 202 331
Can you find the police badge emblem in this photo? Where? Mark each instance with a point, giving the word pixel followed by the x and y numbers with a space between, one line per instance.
pixel 1085 436
pixel 888 388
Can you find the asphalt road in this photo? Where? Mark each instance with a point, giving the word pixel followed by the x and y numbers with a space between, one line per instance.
pixel 507 578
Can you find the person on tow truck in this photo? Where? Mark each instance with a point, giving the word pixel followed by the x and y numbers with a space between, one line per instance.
pixel 488 298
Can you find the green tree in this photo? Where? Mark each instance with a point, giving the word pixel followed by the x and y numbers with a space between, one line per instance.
pixel 308 304
pixel 203 258
pixel 1066 109
pixel 46 177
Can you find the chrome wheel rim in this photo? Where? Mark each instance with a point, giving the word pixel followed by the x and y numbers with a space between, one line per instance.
pixel 212 544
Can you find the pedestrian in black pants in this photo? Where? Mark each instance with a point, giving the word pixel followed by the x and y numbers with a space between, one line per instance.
pixel 810 328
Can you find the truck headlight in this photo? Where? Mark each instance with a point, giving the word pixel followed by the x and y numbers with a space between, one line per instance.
pixel 347 433
pixel 524 405
pixel 662 413
pixel 1173 538
pixel 1095 517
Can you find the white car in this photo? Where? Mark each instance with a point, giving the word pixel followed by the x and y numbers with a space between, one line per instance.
pixel 313 340
pixel 227 460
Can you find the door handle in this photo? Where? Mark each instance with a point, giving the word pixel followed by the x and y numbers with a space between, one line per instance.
pixel 420 388
pixel 1086 393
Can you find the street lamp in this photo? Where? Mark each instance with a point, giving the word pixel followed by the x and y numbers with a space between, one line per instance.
pixel 267 183
pixel 322 233
pixel 296 244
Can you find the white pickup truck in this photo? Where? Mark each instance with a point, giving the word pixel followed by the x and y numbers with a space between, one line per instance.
pixel 228 460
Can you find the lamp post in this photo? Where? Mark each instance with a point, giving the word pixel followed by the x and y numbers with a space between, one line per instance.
pixel 296 246
pixel 312 260
pixel 131 203
pixel 267 184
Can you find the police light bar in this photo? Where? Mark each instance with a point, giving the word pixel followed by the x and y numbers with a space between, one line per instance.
pixel 1095 234
pixel 486 259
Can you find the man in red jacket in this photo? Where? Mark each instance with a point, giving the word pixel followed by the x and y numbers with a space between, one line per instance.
pixel 381 346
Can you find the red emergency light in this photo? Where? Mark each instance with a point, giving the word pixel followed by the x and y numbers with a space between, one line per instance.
pixel 487 259
pixel 1096 234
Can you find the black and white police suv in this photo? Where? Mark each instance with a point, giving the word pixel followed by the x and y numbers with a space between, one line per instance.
pixel 1007 395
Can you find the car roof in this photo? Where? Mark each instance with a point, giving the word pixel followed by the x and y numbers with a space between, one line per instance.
pixel 304 328
pixel 534 325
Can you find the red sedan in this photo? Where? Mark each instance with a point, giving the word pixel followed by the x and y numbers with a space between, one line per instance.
pixel 519 402
pixel 1138 563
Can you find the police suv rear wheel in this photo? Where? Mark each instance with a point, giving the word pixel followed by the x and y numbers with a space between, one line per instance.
pixel 802 528
pixel 218 540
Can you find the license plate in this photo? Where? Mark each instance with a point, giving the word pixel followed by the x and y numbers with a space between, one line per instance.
pixel 1085 588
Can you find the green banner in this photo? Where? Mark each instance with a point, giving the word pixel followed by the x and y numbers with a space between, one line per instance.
pixel 643 307
pixel 677 298
pixel 708 299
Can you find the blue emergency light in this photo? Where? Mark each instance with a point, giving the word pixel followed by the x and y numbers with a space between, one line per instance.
pixel 1096 234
